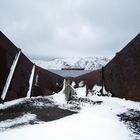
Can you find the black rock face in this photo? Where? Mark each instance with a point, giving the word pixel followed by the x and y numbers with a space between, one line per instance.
pixel 8 52
pixel 3 69
pixel 20 80
pixel 45 84
pixel 122 73
pixel 90 79
pixel 121 76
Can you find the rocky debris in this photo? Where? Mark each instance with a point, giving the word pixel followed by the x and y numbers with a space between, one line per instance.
pixel 45 109
pixel 80 100
pixel 77 102
pixel 131 119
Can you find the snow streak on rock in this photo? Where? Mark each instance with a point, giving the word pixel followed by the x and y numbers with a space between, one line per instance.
pixel 8 81
pixel 31 82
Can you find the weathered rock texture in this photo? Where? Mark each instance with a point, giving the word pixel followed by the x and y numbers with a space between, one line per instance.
pixel 122 73
pixel 121 76
pixel 44 82
pixel 90 79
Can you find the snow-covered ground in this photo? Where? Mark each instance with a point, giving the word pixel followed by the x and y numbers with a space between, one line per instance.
pixel 89 63
pixel 17 121
pixel 99 122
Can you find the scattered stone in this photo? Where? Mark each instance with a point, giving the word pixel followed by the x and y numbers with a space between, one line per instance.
pixel 131 119
pixel 44 108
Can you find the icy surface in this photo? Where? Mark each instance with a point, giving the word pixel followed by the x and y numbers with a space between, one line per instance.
pixel 8 81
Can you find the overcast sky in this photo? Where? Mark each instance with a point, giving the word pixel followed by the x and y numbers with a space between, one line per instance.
pixel 70 27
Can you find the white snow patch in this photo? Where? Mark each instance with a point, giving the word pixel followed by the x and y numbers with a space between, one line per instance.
pixel 10 103
pixel 31 82
pixel 81 92
pixel 73 84
pixel 81 84
pixel 97 88
pixel 89 63
pixel 9 78
pixel 117 103
pixel 99 123
pixel 11 122
pixel 59 98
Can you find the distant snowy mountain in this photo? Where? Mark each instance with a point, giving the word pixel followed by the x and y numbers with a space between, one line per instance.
pixel 89 63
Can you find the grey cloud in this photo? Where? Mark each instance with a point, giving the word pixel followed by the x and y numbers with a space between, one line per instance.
pixel 70 27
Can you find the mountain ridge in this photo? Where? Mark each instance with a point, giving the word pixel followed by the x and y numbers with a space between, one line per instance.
pixel 88 63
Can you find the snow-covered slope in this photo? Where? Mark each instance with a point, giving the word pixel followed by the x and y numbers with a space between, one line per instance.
pixel 89 63
pixel 97 118
pixel 99 122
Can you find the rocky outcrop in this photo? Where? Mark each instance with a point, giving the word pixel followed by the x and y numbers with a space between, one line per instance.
pixel 16 71
pixel 121 76
pixel 122 73
pixel 90 79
